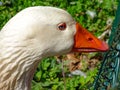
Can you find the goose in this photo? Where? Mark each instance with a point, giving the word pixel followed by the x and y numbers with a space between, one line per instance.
pixel 38 32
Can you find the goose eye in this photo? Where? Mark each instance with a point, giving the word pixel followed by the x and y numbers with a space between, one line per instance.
pixel 62 26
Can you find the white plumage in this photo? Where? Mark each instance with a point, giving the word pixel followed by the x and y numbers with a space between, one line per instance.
pixel 29 36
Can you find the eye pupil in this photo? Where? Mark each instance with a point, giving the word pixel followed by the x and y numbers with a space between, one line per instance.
pixel 62 26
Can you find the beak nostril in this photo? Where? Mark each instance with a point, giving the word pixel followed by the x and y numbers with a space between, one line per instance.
pixel 90 39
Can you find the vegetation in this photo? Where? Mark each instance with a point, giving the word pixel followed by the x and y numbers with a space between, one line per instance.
pixel 95 15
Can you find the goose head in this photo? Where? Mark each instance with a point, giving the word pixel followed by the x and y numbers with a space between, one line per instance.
pixel 38 32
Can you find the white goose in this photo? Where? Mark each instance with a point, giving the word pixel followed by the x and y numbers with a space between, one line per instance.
pixel 38 32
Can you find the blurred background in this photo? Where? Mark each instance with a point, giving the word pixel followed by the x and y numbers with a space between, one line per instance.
pixel 73 71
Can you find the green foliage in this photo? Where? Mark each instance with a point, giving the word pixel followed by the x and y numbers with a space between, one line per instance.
pixel 49 74
pixel 104 10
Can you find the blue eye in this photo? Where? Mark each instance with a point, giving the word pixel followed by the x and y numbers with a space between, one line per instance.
pixel 62 26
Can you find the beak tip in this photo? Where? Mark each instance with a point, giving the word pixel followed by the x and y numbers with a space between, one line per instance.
pixel 105 46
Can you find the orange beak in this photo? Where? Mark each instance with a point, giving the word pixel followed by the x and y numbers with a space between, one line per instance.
pixel 84 41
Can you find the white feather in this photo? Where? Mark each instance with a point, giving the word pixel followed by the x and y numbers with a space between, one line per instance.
pixel 26 38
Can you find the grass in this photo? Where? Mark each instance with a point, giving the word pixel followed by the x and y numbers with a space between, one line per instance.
pixel 95 15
